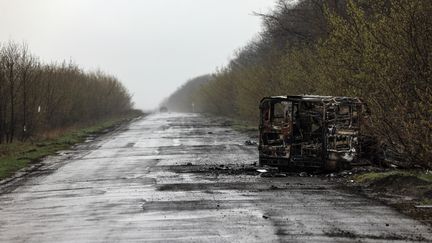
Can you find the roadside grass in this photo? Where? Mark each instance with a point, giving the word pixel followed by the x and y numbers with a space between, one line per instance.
pixel 426 201
pixel 416 184
pixel 408 191
pixel 18 155
pixel 371 177
pixel 374 176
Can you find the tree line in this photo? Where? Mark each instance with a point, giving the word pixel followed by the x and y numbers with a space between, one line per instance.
pixel 36 97
pixel 377 50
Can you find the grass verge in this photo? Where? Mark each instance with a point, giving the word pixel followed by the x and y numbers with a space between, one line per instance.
pixel 409 191
pixel 18 155
pixel 415 185
pixel 374 177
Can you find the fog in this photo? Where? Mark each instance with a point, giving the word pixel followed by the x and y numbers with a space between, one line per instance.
pixel 151 46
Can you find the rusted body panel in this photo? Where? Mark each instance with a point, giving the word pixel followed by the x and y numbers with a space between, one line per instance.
pixel 309 131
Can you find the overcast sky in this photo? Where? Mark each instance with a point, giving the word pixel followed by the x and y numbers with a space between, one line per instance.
pixel 152 46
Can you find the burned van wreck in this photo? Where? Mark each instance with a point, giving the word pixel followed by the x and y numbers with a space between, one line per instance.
pixel 310 131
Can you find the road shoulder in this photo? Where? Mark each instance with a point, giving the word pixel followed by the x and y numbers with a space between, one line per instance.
pixel 44 157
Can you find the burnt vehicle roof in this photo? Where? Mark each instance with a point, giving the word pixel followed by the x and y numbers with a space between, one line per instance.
pixel 313 98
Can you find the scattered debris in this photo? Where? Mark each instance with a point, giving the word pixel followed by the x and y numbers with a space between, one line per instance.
pixel 345 173
pixel 341 233
pixel 229 169
pixel 303 174
pixel 210 133
pixel 272 174
pixel 250 143
pixel 262 170
pixel 189 163
pixel 265 216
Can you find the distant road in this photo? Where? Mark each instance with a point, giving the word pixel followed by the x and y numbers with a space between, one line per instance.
pixel 184 177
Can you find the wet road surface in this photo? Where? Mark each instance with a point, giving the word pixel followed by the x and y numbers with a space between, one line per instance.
pixel 166 178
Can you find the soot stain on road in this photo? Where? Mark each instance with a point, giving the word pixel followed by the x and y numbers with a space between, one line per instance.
pixel 204 186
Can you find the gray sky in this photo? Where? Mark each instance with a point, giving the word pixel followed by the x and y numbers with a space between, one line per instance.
pixel 152 46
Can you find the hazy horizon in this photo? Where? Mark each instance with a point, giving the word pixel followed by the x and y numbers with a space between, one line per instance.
pixel 153 47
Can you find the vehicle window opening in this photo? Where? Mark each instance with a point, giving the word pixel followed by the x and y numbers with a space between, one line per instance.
pixel 281 111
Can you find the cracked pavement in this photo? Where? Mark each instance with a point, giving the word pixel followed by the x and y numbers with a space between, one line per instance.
pixel 167 177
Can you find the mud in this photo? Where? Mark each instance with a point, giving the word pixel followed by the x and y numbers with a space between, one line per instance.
pixel 188 178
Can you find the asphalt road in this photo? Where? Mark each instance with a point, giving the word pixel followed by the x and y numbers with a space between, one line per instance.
pixel 184 177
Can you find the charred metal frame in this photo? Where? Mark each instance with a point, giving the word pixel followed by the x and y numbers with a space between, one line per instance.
pixel 310 131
